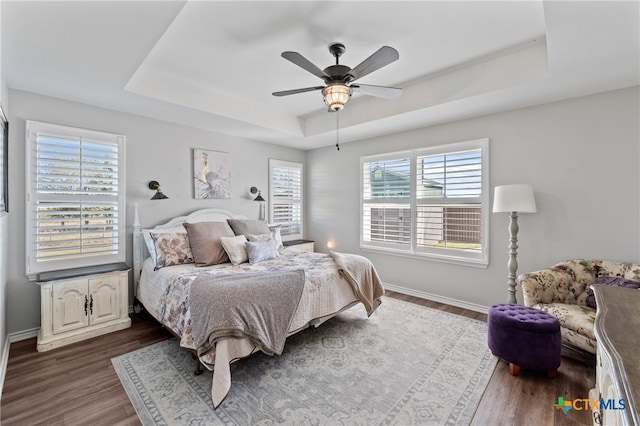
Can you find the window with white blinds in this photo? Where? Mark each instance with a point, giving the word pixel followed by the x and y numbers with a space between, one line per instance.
pixel 429 202
pixel 285 197
pixel 75 198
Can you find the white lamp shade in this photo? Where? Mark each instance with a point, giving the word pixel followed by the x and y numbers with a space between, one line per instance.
pixel 514 198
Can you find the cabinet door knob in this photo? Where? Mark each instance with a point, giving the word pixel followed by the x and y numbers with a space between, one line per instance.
pixel 91 304
pixel 86 304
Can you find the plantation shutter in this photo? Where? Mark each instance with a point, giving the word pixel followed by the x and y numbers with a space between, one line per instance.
pixel 448 194
pixel 428 202
pixel 386 209
pixel 286 197
pixel 76 198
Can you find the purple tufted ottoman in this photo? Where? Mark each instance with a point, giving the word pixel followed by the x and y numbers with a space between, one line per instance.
pixel 525 338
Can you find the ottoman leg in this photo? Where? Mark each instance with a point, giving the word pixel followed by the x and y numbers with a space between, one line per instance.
pixel 553 373
pixel 514 369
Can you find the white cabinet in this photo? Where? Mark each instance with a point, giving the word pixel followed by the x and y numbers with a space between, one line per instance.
pixel 79 308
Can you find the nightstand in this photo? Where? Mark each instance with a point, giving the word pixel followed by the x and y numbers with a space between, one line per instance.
pixel 298 246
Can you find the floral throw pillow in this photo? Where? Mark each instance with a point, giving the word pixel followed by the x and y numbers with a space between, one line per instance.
pixel 171 249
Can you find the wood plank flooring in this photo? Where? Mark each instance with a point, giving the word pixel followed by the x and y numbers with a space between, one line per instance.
pixel 77 385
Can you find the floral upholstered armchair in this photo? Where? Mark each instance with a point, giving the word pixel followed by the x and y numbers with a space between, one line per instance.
pixel 564 292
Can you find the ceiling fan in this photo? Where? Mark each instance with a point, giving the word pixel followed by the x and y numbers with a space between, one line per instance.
pixel 339 78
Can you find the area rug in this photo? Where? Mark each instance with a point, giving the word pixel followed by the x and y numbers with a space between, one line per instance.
pixel 405 365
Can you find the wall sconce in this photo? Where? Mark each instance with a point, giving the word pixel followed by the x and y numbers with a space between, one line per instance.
pixel 260 199
pixel 158 195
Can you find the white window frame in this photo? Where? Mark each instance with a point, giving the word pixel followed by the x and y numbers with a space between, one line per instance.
pixel 273 164
pixel 33 198
pixel 463 257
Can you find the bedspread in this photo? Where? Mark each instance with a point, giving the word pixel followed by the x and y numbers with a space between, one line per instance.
pixel 362 276
pixel 165 294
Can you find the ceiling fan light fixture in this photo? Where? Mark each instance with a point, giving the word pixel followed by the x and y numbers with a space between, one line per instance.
pixel 336 96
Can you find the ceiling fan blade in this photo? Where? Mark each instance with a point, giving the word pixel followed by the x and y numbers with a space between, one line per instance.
pixel 379 91
pixel 294 91
pixel 382 57
pixel 304 63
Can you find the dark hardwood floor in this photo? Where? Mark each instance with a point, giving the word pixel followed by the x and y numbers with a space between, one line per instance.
pixel 77 385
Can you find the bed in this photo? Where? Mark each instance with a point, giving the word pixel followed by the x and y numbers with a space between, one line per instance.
pixel 301 289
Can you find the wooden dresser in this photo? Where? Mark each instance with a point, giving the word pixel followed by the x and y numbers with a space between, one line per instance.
pixel 617 330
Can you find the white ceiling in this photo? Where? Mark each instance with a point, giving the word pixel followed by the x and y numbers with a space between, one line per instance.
pixel 214 64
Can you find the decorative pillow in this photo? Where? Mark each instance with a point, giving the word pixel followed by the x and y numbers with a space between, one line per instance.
pixel 277 236
pixel 258 251
pixel 151 247
pixel 248 226
pixel 608 280
pixel 260 237
pixel 263 237
pixel 204 239
pixel 171 249
pixel 234 246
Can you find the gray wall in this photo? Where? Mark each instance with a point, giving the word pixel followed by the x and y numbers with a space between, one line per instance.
pixel 4 247
pixel 155 150
pixel 580 155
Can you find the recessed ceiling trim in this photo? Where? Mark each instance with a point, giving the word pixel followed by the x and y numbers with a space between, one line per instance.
pixel 167 87
pixel 497 73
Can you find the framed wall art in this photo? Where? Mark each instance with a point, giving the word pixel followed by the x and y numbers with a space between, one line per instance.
pixel 211 174
pixel 4 163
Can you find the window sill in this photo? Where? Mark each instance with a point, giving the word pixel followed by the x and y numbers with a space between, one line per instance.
pixel 455 260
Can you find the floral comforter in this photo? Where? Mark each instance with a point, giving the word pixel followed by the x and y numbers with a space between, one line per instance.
pixel 325 292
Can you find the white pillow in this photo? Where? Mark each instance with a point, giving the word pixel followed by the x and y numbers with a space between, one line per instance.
pixel 235 248
pixel 277 236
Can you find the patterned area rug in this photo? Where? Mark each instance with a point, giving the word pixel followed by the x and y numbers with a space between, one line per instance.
pixel 405 365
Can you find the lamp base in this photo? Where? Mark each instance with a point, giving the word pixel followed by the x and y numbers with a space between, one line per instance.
pixel 512 265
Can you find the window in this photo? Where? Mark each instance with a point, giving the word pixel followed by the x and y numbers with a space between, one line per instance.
pixel 75 198
pixel 285 197
pixel 428 202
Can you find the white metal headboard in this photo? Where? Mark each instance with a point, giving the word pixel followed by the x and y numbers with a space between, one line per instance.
pixel 140 249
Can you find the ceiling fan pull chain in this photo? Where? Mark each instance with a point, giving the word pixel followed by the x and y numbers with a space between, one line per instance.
pixel 338 130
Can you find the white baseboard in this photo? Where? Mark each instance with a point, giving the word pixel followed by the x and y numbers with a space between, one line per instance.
pixel 4 360
pixel 19 336
pixel 441 299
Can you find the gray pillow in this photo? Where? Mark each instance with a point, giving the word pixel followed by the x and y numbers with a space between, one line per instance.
pixel 247 227
pixel 204 239
pixel 259 251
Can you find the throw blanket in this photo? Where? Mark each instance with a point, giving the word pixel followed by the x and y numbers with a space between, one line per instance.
pixel 362 277
pixel 259 306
